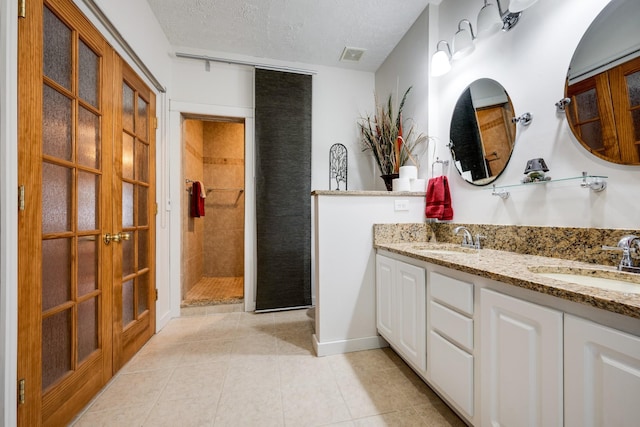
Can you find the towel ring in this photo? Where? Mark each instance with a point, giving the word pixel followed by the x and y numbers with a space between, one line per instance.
pixel 444 164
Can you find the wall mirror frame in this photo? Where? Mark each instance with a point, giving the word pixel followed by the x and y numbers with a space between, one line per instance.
pixel 482 133
pixel 603 85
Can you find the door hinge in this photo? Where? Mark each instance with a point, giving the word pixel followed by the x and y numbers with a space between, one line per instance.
pixel 156 294
pixel 22 9
pixel 156 209
pixel 155 123
pixel 21 392
pixel 21 198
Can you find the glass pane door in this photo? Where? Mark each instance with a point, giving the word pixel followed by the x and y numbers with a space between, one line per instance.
pixel 135 318
pixel 71 193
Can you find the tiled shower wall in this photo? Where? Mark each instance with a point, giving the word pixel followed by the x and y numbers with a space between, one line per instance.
pixel 224 206
pixel 192 228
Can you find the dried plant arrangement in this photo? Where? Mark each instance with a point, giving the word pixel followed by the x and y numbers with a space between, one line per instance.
pixel 383 135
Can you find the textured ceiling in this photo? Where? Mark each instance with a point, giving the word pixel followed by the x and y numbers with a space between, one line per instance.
pixel 307 31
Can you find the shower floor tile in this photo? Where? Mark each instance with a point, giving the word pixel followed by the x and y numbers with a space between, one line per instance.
pixel 215 290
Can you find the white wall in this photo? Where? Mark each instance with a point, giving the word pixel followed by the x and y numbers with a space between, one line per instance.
pixel 531 62
pixel 339 98
pixel 408 65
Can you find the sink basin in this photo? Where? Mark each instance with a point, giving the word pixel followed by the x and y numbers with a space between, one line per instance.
pixel 602 279
pixel 442 248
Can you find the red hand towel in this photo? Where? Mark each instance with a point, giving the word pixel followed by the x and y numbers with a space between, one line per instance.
pixel 447 214
pixel 197 201
pixel 438 204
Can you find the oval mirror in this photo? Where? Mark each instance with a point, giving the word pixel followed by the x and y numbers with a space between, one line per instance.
pixel 482 134
pixel 603 85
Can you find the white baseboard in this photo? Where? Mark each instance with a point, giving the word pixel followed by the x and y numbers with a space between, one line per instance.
pixel 162 321
pixel 347 346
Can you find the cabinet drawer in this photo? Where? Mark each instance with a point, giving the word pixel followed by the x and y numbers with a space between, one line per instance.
pixel 455 326
pixel 452 292
pixel 452 371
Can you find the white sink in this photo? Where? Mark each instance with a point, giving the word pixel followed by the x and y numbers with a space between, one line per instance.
pixel 591 278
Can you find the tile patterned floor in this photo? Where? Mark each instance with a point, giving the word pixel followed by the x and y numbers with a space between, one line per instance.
pixel 246 369
pixel 215 290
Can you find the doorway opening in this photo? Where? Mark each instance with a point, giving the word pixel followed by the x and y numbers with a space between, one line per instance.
pixel 213 158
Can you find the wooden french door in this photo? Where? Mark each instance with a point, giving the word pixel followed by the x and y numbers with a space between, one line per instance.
pixel 134 216
pixel 75 115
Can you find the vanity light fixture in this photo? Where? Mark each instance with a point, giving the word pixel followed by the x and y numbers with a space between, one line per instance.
pixel 491 18
pixel 441 60
pixel 525 119
pixel 520 5
pixel 462 44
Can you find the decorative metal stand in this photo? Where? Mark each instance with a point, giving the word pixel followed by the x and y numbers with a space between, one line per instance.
pixel 338 165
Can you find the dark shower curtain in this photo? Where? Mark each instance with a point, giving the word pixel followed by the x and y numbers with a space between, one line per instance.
pixel 283 189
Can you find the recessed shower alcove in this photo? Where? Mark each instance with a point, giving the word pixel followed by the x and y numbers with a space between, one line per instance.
pixel 213 244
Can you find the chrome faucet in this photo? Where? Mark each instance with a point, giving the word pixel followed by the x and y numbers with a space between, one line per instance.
pixel 630 247
pixel 467 238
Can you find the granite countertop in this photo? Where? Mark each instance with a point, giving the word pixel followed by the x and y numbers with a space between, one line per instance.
pixel 514 269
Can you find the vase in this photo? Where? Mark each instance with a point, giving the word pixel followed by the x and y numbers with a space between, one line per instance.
pixel 388 180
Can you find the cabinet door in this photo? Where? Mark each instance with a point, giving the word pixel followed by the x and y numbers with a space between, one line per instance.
pixel 411 309
pixel 602 374
pixel 521 360
pixel 385 272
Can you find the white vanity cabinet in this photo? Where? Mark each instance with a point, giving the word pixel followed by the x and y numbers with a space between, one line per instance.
pixel 602 375
pixel 450 341
pixel 400 302
pixel 521 364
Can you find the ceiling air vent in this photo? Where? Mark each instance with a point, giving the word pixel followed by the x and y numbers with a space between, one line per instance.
pixel 352 54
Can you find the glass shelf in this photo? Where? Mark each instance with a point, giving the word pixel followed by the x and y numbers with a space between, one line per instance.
pixel 594 182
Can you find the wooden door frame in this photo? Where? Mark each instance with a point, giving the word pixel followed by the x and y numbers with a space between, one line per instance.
pixel 176 111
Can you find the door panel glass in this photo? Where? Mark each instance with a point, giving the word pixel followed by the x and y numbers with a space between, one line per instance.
pixel 141 123
pixel 127 205
pixel 128 256
pixel 88 193
pixel 633 88
pixel 88 74
pixel 87 265
pixel 142 162
pixel 127 107
pixel 587 105
pixel 56 347
pixel 56 272
pixel 143 249
pixel 56 124
pixel 127 156
pixel 88 138
pixel 57 49
pixel 127 303
pixel 143 206
pixel 87 328
pixel 143 293
pixel 56 198
pixel 635 116
pixel 592 135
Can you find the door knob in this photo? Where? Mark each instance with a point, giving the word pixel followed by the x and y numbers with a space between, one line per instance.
pixel 108 238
